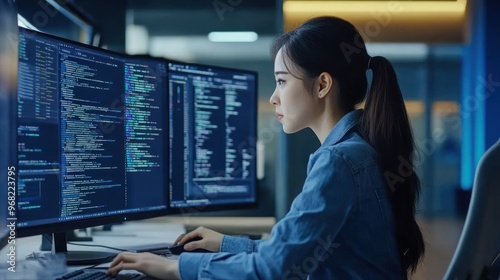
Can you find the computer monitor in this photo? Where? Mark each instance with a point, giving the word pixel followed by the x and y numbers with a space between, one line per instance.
pixel 91 135
pixel 213 126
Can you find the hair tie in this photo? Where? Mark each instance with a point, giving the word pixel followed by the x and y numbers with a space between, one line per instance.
pixel 369 60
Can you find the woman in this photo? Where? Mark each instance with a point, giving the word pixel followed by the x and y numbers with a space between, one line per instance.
pixel 354 218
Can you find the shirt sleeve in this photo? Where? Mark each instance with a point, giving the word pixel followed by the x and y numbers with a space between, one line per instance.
pixel 233 244
pixel 309 230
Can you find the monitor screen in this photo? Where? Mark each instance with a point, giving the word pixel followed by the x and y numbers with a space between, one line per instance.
pixel 90 129
pixel 213 113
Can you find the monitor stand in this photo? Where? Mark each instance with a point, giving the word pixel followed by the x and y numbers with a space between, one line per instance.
pixel 59 245
pixel 70 236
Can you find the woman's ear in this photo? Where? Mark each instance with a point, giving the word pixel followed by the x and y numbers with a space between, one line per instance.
pixel 324 84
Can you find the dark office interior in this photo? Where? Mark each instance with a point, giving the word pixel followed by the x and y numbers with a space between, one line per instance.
pixel 446 55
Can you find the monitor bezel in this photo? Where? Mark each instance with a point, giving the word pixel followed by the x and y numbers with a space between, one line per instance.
pixel 201 209
pixel 114 218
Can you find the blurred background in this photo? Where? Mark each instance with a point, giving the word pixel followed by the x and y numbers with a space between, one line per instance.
pixel 444 53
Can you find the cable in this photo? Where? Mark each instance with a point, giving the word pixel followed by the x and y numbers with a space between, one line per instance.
pixel 102 246
pixel 162 252
pixel 90 245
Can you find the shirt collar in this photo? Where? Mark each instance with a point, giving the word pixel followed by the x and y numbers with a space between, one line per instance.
pixel 345 124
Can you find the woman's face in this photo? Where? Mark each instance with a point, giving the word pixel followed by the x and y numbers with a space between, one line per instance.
pixel 295 106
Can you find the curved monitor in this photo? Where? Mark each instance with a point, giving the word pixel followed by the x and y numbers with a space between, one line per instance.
pixel 91 134
pixel 213 125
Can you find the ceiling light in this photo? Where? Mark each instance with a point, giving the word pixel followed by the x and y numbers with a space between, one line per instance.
pixel 233 36
pixel 305 7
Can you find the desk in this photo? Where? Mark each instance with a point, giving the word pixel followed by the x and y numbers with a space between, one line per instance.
pixel 139 233
pixel 126 236
pixel 135 233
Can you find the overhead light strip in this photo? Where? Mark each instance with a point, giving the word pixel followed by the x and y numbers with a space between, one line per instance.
pixel 374 6
pixel 233 36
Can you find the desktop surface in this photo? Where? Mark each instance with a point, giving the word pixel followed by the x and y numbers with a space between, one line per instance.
pixel 126 236
pixel 131 236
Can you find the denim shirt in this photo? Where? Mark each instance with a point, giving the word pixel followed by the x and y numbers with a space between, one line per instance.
pixel 340 226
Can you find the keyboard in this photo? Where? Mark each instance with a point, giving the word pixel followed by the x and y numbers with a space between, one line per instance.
pixel 100 274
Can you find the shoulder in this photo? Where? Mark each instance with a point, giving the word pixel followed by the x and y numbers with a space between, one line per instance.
pixel 352 151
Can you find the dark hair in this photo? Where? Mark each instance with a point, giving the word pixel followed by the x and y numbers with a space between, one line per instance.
pixel 332 45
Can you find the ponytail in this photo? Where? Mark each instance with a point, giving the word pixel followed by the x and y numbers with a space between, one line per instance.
pixel 385 125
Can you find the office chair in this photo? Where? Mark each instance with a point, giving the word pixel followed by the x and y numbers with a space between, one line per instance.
pixel 480 240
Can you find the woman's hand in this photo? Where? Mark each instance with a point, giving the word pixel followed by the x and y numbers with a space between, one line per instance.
pixel 150 264
pixel 210 239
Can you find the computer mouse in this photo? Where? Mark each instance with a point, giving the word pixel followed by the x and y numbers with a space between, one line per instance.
pixel 177 249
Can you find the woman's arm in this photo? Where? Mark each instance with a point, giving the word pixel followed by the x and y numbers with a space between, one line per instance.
pixel 308 231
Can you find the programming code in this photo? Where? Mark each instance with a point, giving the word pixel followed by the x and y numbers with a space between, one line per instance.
pixel 37 81
pixel 92 157
pixel 89 132
pixel 212 136
pixel 217 111
pixel 143 130
pixel 145 91
pixel 37 128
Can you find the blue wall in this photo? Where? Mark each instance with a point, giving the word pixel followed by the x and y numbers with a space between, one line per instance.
pixel 481 86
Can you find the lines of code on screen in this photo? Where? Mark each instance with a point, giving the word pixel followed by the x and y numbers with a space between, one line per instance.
pixel 90 132
pixel 212 135
pixel 92 158
pixel 37 129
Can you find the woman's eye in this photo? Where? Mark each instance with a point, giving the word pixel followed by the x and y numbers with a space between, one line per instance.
pixel 280 82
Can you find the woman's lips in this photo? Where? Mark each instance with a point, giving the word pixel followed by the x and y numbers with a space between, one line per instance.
pixel 280 116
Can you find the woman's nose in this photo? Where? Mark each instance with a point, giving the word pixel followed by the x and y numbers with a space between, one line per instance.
pixel 273 99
